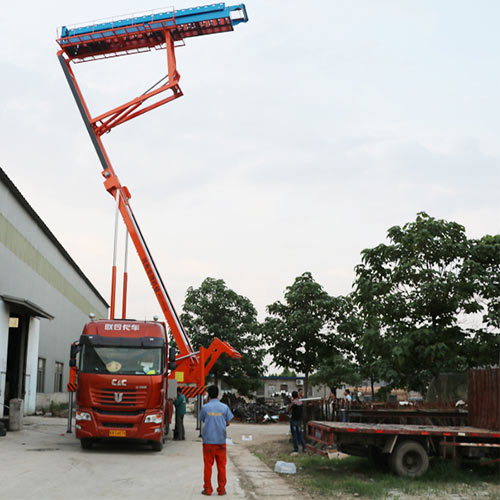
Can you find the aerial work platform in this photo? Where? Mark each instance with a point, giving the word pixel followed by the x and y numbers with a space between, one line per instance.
pixel 161 29
pixel 142 32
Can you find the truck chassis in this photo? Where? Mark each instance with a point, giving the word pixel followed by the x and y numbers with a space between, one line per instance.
pixel 407 448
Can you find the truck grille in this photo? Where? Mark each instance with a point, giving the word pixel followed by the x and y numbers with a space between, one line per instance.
pixel 120 397
pixel 132 413
pixel 118 425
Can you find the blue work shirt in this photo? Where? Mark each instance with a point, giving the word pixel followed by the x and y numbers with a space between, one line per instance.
pixel 215 416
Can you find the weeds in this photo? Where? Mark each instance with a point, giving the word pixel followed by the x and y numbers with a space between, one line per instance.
pixel 58 409
pixel 359 477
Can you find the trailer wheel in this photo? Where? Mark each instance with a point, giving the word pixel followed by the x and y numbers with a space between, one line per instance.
pixel 409 459
pixel 86 443
pixel 157 445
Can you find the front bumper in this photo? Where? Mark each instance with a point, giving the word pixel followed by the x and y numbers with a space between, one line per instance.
pixel 107 424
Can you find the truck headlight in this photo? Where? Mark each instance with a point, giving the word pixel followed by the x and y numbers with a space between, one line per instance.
pixel 153 419
pixel 82 415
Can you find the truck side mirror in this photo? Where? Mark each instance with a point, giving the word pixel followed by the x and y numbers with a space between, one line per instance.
pixel 171 359
pixel 75 349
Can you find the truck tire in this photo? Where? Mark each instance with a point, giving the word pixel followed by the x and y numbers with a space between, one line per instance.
pixel 157 445
pixel 409 459
pixel 86 443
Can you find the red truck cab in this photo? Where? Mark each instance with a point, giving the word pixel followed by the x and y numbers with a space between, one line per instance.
pixel 122 382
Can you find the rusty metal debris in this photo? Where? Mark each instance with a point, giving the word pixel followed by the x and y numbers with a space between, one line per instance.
pixel 255 411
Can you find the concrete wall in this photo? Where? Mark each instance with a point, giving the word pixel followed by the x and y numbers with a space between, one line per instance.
pixel 34 267
pixel 273 385
pixel 44 400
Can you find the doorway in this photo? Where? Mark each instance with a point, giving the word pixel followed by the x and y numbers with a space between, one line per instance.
pixel 16 359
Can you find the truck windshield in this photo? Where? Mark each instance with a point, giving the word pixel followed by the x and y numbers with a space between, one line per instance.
pixel 122 360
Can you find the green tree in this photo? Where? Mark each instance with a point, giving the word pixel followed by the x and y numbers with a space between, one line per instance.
pixel 417 290
pixel 337 360
pixel 295 330
pixel 335 371
pixel 482 272
pixel 213 310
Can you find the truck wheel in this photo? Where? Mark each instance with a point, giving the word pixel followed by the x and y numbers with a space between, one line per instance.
pixel 157 445
pixel 86 443
pixel 409 459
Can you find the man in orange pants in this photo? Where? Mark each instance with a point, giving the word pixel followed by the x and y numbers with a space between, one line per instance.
pixel 215 417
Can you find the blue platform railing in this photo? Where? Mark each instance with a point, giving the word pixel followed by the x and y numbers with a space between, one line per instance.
pixel 154 21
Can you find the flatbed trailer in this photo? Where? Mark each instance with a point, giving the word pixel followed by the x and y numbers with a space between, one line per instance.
pixel 407 448
pixel 411 416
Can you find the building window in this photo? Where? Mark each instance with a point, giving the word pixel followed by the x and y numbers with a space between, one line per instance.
pixel 40 376
pixel 284 387
pixel 58 377
pixel 271 389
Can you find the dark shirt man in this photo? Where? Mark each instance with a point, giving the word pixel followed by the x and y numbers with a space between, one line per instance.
pixel 180 411
pixel 215 417
pixel 297 409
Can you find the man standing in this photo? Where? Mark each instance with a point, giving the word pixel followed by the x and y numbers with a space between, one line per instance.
pixel 215 417
pixel 296 408
pixel 180 411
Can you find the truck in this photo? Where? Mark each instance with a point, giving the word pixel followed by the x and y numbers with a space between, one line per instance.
pixel 120 368
pixel 407 448
pixel 122 389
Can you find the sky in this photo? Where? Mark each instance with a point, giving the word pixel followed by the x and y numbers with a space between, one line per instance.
pixel 301 138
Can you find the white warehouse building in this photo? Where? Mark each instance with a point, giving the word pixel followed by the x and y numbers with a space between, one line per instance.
pixel 45 299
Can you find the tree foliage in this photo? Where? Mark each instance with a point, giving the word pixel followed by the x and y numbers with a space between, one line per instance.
pixel 213 310
pixel 483 272
pixel 414 293
pixel 295 329
pixel 336 371
pixel 337 364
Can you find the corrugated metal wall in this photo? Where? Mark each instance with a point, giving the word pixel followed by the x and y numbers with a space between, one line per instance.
pixel 484 398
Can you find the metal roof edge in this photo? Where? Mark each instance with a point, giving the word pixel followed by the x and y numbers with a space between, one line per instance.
pixel 27 304
pixel 39 222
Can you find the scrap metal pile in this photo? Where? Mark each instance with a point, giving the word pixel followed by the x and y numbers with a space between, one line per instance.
pixel 255 411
